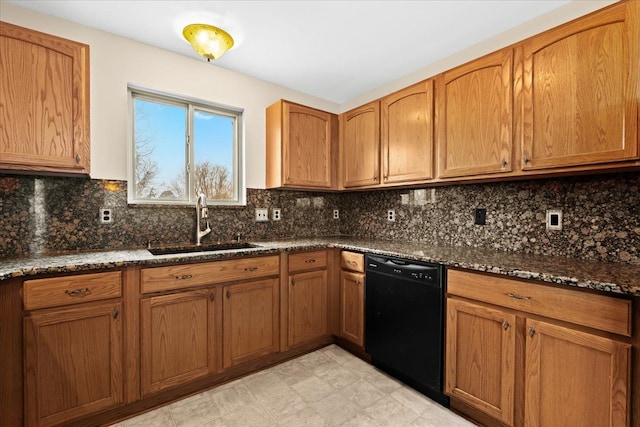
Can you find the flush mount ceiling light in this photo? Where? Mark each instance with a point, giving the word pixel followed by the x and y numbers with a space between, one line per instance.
pixel 210 42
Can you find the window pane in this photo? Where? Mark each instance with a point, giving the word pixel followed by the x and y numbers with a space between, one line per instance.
pixel 214 138
pixel 160 153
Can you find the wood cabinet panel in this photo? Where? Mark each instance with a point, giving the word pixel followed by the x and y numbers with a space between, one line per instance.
pixel 44 100
pixel 360 146
pixel 300 146
pixel 307 306
pixel 65 290
pixel 480 358
pixel 178 338
pixel 575 378
pixel 474 105
pixel 73 362
pixel 581 91
pixel 251 318
pixel 352 307
pixel 182 276
pixel 587 309
pixel 304 261
pixel 407 134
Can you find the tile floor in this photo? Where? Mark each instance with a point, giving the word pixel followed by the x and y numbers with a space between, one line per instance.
pixel 328 387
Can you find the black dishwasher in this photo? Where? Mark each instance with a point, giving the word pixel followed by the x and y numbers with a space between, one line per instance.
pixel 404 302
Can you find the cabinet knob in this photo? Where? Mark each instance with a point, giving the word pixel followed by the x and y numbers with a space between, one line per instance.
pixel 505 325
pixel 532 331
pixel 310 261
pixel 526 159
pixel 504 163
pixel 212 296
pixel 375 177
pixel 385 177
pixel 251 269
pixel 184 277
pixel 115 313
pixel 228 294
pixel 78 158
pixel 293 282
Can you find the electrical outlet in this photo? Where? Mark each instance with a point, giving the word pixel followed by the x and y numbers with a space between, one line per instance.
pixel 554 219
pixel 262 214
pixel 391 215
pixel 336 214
pixel 480 216
pixel 276 214
pixel 106 216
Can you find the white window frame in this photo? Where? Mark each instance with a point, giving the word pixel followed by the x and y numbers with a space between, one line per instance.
pixel 192 105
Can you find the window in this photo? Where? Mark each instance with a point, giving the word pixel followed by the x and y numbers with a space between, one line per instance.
pixel 182 147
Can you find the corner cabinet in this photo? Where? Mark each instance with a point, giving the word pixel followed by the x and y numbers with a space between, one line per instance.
pixel 44 99
pixel 406 134
pixel 537 355
pixel 580 96
pixel 300 147
pixel 73 340
pixel 360 146
pixel 474 104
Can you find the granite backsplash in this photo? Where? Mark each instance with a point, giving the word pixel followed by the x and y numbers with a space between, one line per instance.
pixel 601 216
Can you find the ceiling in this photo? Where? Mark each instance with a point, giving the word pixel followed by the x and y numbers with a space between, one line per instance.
pixel 335 50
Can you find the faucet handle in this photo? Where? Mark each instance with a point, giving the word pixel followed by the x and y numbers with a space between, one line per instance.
pixel 239 237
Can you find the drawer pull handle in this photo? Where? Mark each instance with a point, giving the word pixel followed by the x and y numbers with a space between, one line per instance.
pixel 184 277
pixel 505 325
pixel 115 313
pixel 293 282
pixel 518 296
pixel 228 294
pixel 351 262
pixel 77 292
pixel 251 269
pixel 310 261
pixel 504 163
pixel 532 331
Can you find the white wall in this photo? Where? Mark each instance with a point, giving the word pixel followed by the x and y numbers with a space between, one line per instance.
pixel 116 61
pixel 537 25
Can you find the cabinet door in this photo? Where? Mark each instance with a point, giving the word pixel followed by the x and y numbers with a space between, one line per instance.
pixel 307 146
pixel 250 325
pixel 352 307
pixel 44 100
pixel 307 306
pixel 581 90
pixel 575 378
pixel 360 146
pixel 178 334
pixel 73 363
pixel 407 134
pixel 480 359
pixel 475 117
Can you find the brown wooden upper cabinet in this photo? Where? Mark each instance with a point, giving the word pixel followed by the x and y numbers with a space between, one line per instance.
pixel 360 146
pixel 474 119
pixel 300 146
pixel 407 134
pixel 44 99
pixel 390 141
pixel 581 91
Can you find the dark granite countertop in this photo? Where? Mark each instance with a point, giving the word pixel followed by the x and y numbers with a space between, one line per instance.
pixel 606 277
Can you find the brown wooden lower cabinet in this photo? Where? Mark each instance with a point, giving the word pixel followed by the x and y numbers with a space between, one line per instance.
pixel 352 307
pixel 480 361
pixel 73 362
pixel 511 358
pixel 307 306
pixel 251 326
pixel 574 378
pixel 179 338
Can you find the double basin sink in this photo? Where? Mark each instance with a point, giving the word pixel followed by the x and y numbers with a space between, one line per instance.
pixel 201 248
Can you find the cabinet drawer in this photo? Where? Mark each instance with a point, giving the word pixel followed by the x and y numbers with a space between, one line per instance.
pixel 159 279
pixel 302 261
pixel 56 291
pixel 352 261
pixel 581 308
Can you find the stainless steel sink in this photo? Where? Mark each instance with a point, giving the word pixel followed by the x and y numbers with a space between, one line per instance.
pixel 202 248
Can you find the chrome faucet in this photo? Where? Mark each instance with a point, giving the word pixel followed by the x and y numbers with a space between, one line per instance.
pixel 202 212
